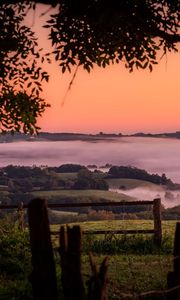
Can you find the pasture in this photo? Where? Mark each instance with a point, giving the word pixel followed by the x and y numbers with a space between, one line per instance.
pixel 116 183
pixel 91 195
pixel 135 266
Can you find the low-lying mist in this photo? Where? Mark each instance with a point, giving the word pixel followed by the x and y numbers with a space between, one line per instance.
pixel 152 154
pixel 168 198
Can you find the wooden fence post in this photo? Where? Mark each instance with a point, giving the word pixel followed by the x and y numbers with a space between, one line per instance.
pixel 173 279
pixel 70 252
pixel 157 221
pixel 43 276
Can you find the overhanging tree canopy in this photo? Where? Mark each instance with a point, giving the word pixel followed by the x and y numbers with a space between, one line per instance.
pixel 83 33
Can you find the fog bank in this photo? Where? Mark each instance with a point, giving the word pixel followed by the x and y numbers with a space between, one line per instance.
pixel 168 198
pixel 152 154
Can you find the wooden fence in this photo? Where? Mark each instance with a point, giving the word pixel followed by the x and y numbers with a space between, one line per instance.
pixel 43 277
pixel 156 204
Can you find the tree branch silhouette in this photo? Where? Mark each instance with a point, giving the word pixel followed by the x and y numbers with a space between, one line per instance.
pixel 84 34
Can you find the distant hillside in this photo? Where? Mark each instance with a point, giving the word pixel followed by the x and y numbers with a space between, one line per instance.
pixel 126 184
pixel 66 136
pixel 47 136
pixel 158 135
pixel 82 195
pixel 172 213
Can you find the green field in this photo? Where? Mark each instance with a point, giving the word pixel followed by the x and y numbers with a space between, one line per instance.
pixel 135 265
pixel 168 227
pixel 93 195
pixel 116 183
pixel 131 275
pixel 137 268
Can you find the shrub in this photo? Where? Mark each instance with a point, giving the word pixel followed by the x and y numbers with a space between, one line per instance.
pixel 15 260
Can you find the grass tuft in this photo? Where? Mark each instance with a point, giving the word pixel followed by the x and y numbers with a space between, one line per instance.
pixel 127 244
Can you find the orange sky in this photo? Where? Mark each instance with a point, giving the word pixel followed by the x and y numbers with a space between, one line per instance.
pixel 112 99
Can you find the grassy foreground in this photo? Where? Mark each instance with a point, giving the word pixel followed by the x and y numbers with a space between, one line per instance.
pixel 167 226
pixel 133 274
pixel 135 266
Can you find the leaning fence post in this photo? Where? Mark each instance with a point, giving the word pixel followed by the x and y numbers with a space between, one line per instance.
pixel 43 276
pixel 173 279
pixel 157 221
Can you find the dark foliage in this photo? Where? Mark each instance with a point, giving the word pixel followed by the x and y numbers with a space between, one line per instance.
pixel 86 180
pixel 86 184
pixel 20 74
pixel 82 33
pixel 68 168
pixel 15 260
pixel 103 32
pixel 135 173
pixel 22 172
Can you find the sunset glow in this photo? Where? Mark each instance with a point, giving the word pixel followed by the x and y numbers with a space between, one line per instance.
pixel 112 99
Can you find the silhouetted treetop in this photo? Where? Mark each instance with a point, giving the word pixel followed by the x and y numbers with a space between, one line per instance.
pixel 103 32
pixel 136 173
pixel 20 71
pixel 82 33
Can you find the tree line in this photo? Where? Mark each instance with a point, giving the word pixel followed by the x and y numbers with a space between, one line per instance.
pixel 136 173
